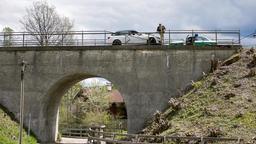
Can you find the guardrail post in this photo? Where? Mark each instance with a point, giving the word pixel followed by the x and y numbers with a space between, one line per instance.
pixel 136 138
pixel 239 37
pixel 82 38
pixel 105 37
pixel 62 39
pixel 239 140
pixel 202 140
pixel 148 40
pixel 80 132
pixel 216 37
pixel 164 140
pixel 125 39
pixel 169 36
pixel 23 39
pixel 113 136
pixel 102 130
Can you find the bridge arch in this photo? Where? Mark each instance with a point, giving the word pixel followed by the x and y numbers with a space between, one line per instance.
pixel 55 94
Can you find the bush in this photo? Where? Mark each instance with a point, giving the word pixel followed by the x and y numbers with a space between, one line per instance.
pixel 102 118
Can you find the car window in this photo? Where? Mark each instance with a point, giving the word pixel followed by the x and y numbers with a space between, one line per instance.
pixel 197 39
pixel 125 32
pixel 201 39
pixel 117 33
pixel 134 32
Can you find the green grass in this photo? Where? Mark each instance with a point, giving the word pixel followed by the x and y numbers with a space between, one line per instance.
pixel 9 131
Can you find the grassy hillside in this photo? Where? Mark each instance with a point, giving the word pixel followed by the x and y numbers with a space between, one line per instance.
pixel 9 131
pixel 222 104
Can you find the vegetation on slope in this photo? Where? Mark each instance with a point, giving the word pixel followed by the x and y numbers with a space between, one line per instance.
pixel 85 109
pixel 222 104
pixel 9 131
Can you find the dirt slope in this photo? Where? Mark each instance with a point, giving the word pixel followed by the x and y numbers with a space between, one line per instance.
pixel 222 104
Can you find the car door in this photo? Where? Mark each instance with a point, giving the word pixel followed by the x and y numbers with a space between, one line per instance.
pixel 137 38
pixel 127 38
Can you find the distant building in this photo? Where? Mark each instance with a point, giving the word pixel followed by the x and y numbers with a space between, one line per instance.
pixel 116 106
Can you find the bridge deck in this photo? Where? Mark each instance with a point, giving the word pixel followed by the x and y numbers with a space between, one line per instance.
pixel 128 47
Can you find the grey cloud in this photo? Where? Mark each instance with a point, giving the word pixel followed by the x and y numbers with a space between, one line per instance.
pixel 144 15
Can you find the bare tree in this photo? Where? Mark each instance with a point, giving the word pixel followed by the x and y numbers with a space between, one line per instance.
pixel 45 25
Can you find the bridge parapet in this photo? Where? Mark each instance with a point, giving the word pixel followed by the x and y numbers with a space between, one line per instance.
pixel 101 38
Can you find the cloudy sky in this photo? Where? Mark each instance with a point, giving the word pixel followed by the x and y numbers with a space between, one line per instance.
pixel 143 15
pixel 96 81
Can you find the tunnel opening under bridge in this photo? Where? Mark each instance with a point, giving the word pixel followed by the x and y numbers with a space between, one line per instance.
pixel 80 101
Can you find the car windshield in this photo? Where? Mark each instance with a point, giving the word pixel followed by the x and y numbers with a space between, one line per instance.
pixel 201 39
pixel 125 32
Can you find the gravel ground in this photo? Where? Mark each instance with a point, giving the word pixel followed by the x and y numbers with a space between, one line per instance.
pixel 73 141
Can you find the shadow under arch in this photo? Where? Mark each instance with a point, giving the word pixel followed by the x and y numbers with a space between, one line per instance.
pixel 55 94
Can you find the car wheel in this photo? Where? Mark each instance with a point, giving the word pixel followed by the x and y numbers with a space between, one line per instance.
pixel 117 42
pixel 152 41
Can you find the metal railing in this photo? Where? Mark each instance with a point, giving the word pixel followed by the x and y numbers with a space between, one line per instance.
pixel 101 38
pixel 117 138
pixel 98 135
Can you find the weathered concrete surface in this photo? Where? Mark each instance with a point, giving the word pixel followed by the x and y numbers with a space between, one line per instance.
pixel 146 77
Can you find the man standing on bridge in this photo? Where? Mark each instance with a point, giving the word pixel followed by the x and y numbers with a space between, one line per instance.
pixel 161 31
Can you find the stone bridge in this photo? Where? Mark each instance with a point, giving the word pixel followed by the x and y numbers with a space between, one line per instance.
pixel 146 76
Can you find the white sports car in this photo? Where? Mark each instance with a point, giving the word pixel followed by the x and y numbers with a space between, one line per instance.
pixel 132 37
